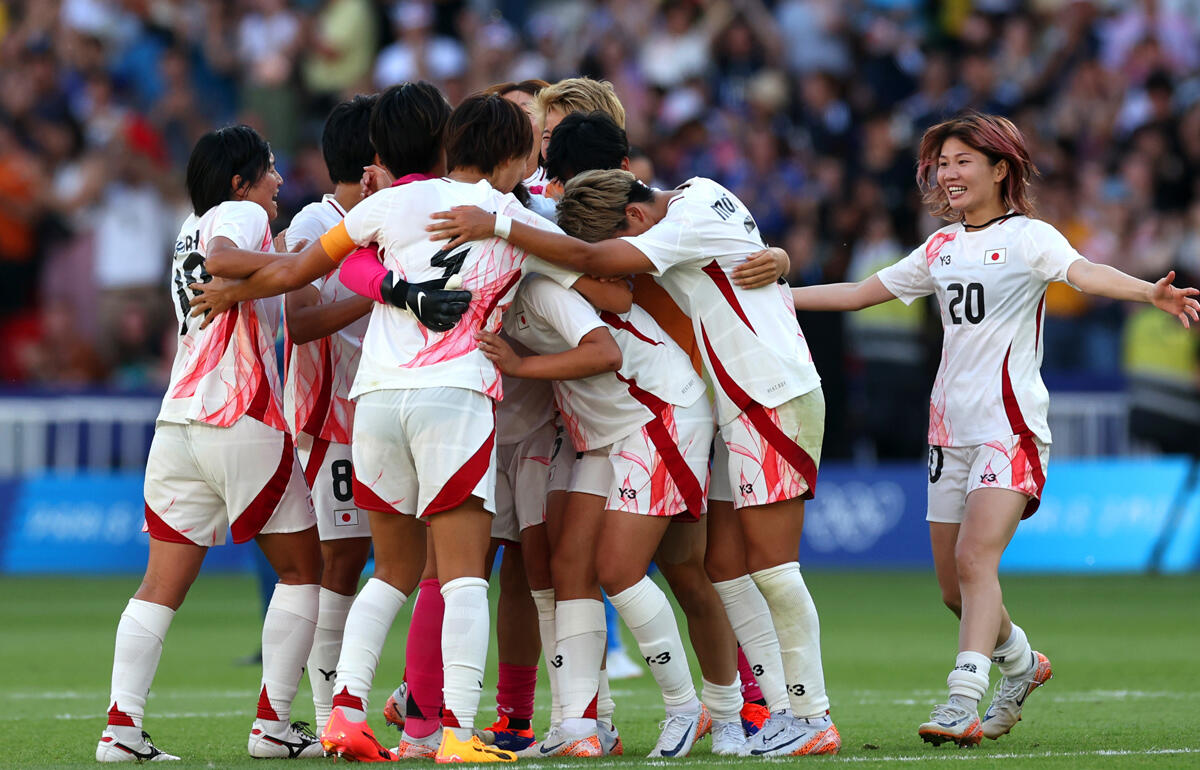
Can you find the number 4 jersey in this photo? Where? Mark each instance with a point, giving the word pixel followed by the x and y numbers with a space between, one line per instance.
pixel 991 292
pixel 227 369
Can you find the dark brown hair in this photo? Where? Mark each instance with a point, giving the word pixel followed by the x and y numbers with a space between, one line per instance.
pixel 998 139
pixel 485 131
pixel 531 87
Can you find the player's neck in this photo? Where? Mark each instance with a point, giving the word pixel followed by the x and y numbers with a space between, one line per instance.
pixel 982 216
pixel 347 195
pixel 467 175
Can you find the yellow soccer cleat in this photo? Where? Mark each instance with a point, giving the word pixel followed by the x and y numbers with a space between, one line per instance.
pixel 472 752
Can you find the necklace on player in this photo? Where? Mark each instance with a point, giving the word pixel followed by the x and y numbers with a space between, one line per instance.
pixel 990 222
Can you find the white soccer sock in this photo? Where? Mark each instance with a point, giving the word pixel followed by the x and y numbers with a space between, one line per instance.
pixel 580 630
pixel 140 634
pixel 327 646
pixel 367 625
pixel 605 705
pixel 1015 656
pixel 969 679
pixel 724 701
pixel 465 630
pixel 799 630
pixel 751 620
pixel 645 609
pixel 544 600
pixel 287 638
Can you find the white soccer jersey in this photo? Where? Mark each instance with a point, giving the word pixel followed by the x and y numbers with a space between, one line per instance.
pixel 991 288
pixel 228 369
pixel 600 410
pixel 751 343
pixel 398 352
pixel 527 406
pixel 316 390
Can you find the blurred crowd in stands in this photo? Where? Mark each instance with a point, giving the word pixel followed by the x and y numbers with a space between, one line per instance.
pixel 809 110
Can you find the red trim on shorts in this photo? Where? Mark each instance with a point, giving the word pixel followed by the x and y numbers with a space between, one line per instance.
pixel 668 448
pixel 369 501
pixel 792 452
pixel 251 521
pixel 714 271
pixel 316 458
pixel 1027 446
pixel 615 321
pixel 160 530
pixel 460 486
pixel 315 423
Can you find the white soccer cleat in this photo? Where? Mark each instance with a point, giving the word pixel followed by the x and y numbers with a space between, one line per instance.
pixel 728 738
pixel 610 740
pixel 297 742
pixel 1005 709
pixel 951 723
pixel 113 749
pixel 784 735
pixel 418 748
pixel 680 733
pixel 559 743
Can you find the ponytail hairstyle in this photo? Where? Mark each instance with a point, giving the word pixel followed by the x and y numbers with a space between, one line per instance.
pixel 994 136
pixel 593 203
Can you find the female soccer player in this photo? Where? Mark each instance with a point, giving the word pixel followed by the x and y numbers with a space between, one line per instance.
pixel 988 438
pixel 769 403
pixel 221 458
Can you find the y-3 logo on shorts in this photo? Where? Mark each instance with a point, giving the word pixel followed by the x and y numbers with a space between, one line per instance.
pixel 746 489
pixel 987 478
pixel 627 494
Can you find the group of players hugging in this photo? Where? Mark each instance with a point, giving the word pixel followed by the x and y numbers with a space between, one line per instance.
pixel 496 340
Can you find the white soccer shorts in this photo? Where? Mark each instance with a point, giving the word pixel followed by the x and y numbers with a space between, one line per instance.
pixel 329 472
pixel 774 452
pixel 562 460
pixel 1018 463
pixel 522 474
pixel 203 479
pixel 718 476
pixel 423 451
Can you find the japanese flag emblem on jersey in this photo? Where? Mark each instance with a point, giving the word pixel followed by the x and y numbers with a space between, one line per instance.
pixel 995 256
pixel 522 322
pixel 347 517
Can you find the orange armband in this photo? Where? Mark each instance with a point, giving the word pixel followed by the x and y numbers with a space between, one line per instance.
pixel 337 242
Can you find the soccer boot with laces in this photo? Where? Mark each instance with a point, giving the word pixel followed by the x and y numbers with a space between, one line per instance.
pixel 352 740
pixel 503 736
pixel 393 710
pixel 1005 709
pixel 610 740
pixel 112 749
pixel 680 733
pixel 472 751
pixel 754 715
pixel 297 742
pixel 784 735
pixel 418 748
pixel 951 723
pixel 728 738
pixel 560 743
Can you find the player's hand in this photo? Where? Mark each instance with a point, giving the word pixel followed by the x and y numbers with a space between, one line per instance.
pixel 374 179
pixel 437 304
pixel 213 298
pixel 761 269
pixel 461 224
pixel 280 241
pixel 498 352
pixel 1180 303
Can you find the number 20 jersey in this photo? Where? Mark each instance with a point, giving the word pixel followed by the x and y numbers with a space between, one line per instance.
pixel 398 352
pixel 991 292
pixel 228 369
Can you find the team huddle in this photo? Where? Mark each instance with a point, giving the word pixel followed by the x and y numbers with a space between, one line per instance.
pixel 493 340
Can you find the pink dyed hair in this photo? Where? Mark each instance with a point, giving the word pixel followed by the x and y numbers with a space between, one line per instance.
pixel 998 139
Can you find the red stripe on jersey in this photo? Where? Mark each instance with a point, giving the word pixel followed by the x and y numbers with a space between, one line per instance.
pixel 668 449
pixel 213 347
pixel 714 271
pixel 160 530
pixel 316 418
pixel 1028 447
pixel 369 501
pixel 262 507
pixel 1016 420
pixel 460 486
pixel 1037 332
pixel 119 718
pixel 615 321
pixel 792 452
pixel 316 458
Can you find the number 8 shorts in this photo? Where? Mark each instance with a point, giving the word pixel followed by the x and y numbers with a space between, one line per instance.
pixel 1016 462
pixel 203 479
pixel 330 476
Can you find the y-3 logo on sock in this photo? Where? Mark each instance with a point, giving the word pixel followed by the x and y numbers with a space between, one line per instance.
pixel 327 674
pixel 661 658
pixel 971 667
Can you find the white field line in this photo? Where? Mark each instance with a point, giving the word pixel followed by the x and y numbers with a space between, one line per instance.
pixel 964 756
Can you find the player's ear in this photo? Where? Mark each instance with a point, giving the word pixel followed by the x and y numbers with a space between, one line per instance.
pixel 1000 170
pixel 237 187
pixel 625 163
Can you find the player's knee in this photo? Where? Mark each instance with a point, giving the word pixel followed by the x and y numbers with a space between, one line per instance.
pixel 721 566
pixel 972 564
pixel 615 577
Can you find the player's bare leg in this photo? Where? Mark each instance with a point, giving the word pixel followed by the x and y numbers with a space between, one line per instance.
pixel 343 561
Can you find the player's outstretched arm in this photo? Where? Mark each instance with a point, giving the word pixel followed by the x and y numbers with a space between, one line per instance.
pixel 1107 281
pixel 762 269
pixel 611 257
pixel 308 319
pixel 596 353
pixel 842 296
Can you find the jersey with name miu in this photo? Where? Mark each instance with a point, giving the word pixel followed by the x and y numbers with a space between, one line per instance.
pixel 228 369
pixel 604 408
pixel 398 352
pixel 991 291
pixel 316 390
pixel 750 341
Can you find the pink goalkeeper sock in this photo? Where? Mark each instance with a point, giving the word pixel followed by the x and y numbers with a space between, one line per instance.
pixel 423 663
pixel 514 691
pixel 750 690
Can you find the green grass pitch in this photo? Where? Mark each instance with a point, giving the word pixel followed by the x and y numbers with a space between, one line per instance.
pixel 1126 690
